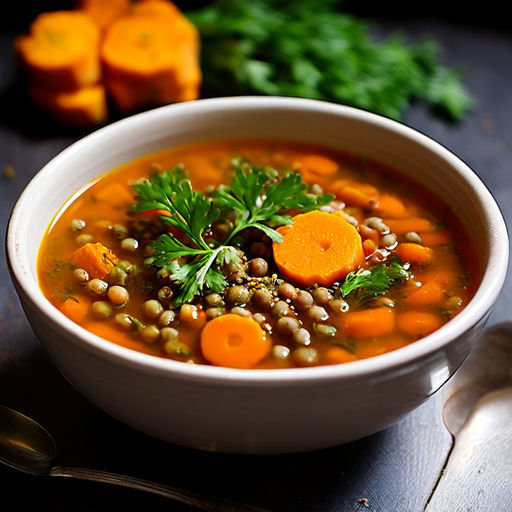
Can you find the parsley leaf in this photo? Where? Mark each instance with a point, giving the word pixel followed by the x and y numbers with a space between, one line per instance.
pixel 367 284
pixel 256 196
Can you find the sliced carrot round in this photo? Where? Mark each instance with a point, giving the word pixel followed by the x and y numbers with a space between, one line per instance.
pixel 234 341
pixel 369 323
pixel 318 248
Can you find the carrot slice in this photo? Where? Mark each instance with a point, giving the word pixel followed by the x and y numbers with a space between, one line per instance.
pixel 61 51
pixel 96 259
pixel 158 7
pixel 82 107
pixel 316 167
pixel 234 341
pixel 76 309
pixel 115 194
pixel 369 323
pixel 318 248
pixel 151 59
pixel 414 253
pixel 418 323
pixel 369 247
pixel 362 195
pixel 103 12
pixel 338 355
pixel 402 226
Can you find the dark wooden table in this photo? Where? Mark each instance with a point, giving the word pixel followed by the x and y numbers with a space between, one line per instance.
pixel 394 471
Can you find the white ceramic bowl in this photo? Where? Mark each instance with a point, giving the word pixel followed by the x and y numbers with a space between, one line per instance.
pixel 263 411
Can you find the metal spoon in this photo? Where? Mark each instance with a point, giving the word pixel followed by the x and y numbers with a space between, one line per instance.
pixel 478 414
pixel 27 446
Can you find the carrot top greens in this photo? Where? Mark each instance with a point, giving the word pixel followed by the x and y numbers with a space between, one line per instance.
pixel 257 198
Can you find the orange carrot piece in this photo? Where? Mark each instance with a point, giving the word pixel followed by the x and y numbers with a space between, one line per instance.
pixel 430 293
pixel 96 259
pixel 392 207
pixel 369 233
pixel 369 323
pixel 103 12
pixel 76 309
pixel 151 59
pixel 418 323
pixel 338 355
pixel 234 341
pixel 318 248
pixel 61 51
pixel 156 7
pixel 314 167
pixel 362 195
pixel 402 226
pixel 414 253
pixel 369 247
pixel 441 236
pixel 82 107
pixel 116 194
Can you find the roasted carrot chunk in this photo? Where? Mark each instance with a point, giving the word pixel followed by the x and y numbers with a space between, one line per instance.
pixel 414 253
pixel 61 51
pixel 318 248
pixel 151 59
pixel 96 259
pixel 82 107
pixel 369 323
pixel 103 12
pixel 418 323
pixel 234 341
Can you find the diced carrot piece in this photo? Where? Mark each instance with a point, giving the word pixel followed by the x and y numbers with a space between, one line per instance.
pixel 96 259
pixel 315 167
pixel 369 233
pixel 369 247
pixel 441 236
pixel 392 207
pixel 338 355
pixel 362 195
pixel 402 226
pixel 414 253
pixel 117 194
pixel 83 107
pixel 193 317
pixel 369 323
pixel 432 292
pixel 418 323
pixel 156 7
pixel 76 309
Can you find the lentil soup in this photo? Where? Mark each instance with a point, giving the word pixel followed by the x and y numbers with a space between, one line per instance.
pixel 257 254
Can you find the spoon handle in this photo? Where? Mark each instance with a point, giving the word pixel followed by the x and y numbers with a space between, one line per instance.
pixel 193 499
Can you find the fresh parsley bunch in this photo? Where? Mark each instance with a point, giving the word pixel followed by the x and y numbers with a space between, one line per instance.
pixel 310 48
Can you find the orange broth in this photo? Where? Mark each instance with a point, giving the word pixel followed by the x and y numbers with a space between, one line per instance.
pixel 451 275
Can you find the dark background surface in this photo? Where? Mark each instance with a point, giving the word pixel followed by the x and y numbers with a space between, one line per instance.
pixel 395 470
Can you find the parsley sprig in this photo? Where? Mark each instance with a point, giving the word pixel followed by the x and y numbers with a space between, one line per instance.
pixel 366 284
pixel 256 198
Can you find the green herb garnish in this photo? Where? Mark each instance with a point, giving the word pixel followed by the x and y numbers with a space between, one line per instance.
pixel 366 284
pixel 308 48
pixel 255 199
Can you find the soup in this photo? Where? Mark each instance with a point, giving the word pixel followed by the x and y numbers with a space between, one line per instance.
pixel 257 254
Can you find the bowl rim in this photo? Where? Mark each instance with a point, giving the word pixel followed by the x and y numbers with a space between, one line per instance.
pixel 492 279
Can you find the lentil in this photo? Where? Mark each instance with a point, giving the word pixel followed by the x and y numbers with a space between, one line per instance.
pixel 388 241
pixel 287 291
pixel 80 276
pixel 166 318
pixel 152 309
pixel 305 356
pixel 321 295
pixel 317 313
pixel 77 224
pixel 84 238
pixel 324 330
pixel 280 352
pixel 150 333
pixel 119 231
pixel 129 244
pixel 124 320
pixel 96 287
pixel 118 295
pixel 169 334
pixel 214 299
pixel 302 336
pixel 237 310
pixel 262 298
pixel 101 309
pixel 165 294
pixel 303 301
pixel 287 325
pixel 238 295
pixel 213 313
pixel 280 308
pixel 258 267
pixel 412 237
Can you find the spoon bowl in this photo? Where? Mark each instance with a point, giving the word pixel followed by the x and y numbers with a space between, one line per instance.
pixel 24 444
